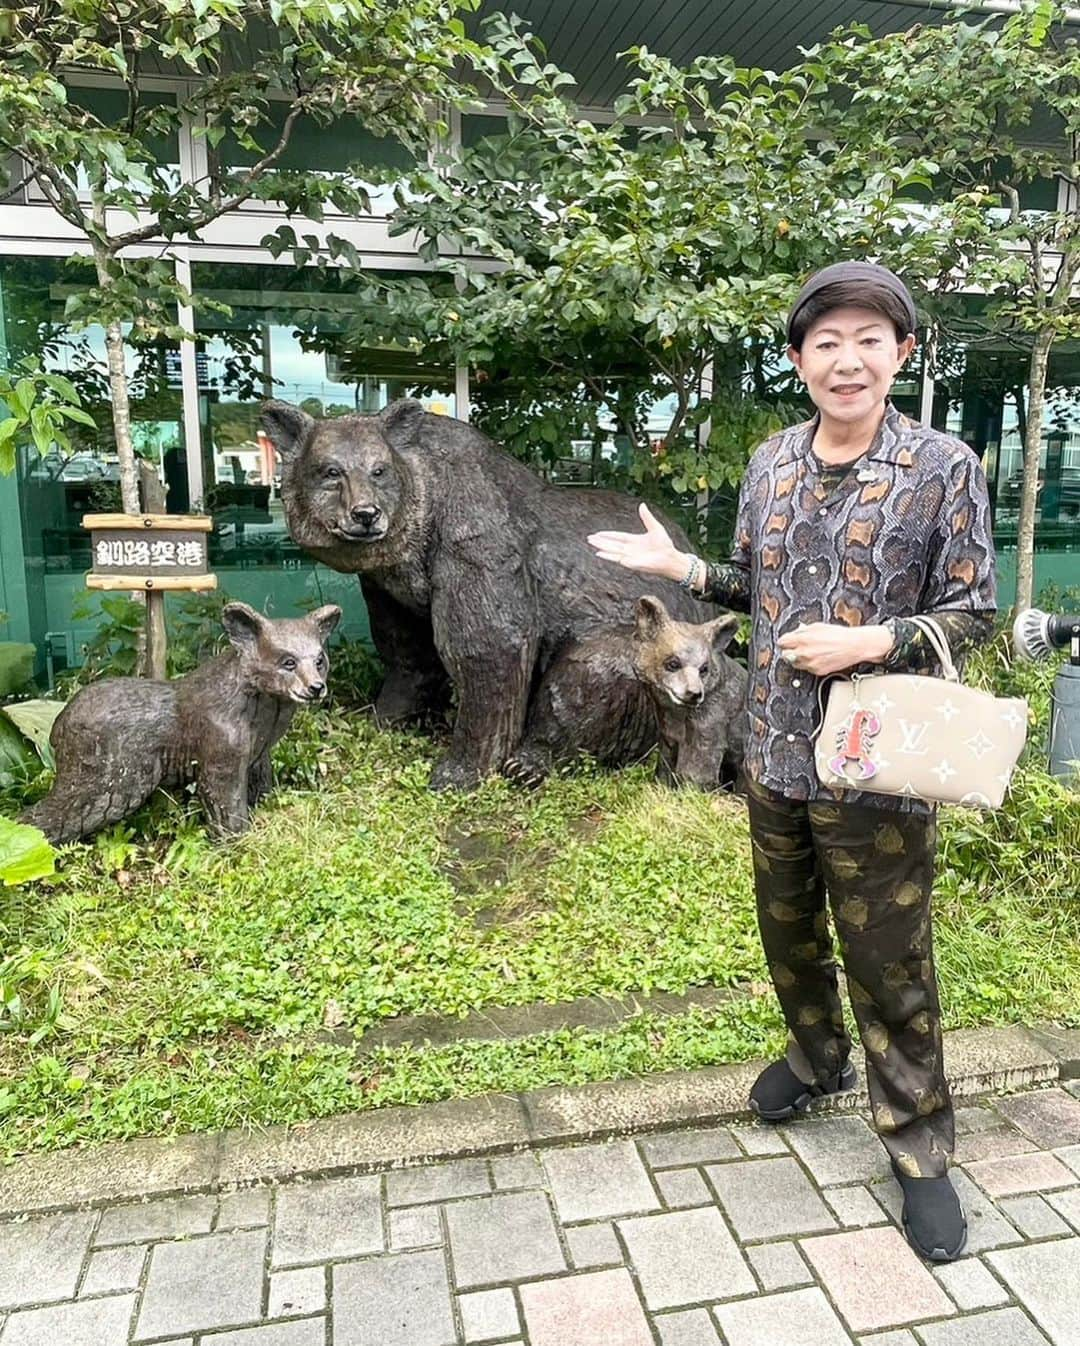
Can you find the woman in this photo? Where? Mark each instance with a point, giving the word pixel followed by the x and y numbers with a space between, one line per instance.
pixel 848 525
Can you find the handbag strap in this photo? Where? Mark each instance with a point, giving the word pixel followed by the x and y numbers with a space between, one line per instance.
pixel 939 644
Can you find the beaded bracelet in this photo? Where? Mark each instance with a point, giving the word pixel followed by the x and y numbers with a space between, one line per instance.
pixel 690 578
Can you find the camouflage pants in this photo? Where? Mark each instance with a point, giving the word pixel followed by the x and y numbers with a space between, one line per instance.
pixel 877 869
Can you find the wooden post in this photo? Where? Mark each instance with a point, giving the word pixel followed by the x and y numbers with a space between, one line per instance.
pixel 155 634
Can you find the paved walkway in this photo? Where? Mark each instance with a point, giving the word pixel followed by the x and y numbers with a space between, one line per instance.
pixel 741 1236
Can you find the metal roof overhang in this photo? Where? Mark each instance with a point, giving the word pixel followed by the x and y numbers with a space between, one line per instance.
pixel 585 39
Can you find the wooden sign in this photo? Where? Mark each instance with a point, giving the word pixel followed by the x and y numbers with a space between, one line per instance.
pixel 151 553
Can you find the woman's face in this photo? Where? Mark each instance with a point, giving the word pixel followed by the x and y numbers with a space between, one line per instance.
pixel 848 361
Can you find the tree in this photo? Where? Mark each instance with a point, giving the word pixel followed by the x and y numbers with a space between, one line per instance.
pixel 970 95
pixel 257 69
pixel 648 257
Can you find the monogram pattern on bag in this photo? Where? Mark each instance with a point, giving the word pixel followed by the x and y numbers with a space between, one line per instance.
pixel 919 752
pixel 905 531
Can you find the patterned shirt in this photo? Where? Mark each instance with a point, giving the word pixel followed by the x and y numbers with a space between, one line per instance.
pixel 904 530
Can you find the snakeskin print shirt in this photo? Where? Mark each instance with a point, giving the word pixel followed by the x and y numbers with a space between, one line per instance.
pixel 902 530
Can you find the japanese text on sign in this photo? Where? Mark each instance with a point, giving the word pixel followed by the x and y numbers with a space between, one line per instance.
pixel 138 554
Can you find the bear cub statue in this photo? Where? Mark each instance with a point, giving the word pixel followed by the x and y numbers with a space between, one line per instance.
pixel 118 740
pixel 665 681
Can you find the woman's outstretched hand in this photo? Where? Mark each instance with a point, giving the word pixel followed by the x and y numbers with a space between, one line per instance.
pixel 652 551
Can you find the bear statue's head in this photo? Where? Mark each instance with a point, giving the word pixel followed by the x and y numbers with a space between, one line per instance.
pixel 285 657
pixel 342 479
pixel 679 661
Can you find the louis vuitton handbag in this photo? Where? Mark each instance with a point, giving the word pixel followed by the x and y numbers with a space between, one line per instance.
pixel 929 738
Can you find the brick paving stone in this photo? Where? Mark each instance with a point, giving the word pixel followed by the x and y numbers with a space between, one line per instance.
pixel 767 1198
pixel 854 1207
pixel 1070 1157
pixel 299 1292
pixel 112 1270
pixel 502 1238
pixel 798 1318
pixel 245 1209
pixel 202 1284
pixel 337 1217
pixel 760 1141
pixel 685 1257
pixel 592 1245
pixel 89 1322
pixel 170 1218
pixel 779 1266
pixel 970 1285
pixel 414 1227
pixel 600 1306
pixel 999 1142
pixel 1033 1217
pixel 488 1315
pixel 681 1187
pixel 838 1149
pixel 977 1117
pixel 1067 1204
pixel 1045 1277
pixel 987 1227
pixel 302 1332
pixel 418 1186
pixel 594 1182
pixel 1038 1172
pixel 899 1338
pixel 684 1149
pixel 692 1328
pixel 875 1279
pixel 517 1170
pixel 41 1259
pixel 401 1299
pixel 1004 1327
pixel 1049 1116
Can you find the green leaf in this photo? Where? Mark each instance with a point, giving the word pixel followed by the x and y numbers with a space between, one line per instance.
pixel 35 720
pixel 25 854
pixel 17 757
pixel 79 415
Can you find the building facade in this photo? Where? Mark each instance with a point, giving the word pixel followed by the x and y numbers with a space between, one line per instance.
pixel 194 405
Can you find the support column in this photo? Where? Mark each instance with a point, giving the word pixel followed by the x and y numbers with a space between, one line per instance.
pixel 14 590
pixel 189 382
pixel 926 391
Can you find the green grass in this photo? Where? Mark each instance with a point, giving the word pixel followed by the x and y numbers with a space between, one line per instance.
pixel 159 983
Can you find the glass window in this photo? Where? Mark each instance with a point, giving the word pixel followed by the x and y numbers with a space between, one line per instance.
pixel 981 395
pixel 329 149
pixel 110 106
pixel 55 492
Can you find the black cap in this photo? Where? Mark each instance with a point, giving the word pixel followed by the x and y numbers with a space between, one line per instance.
pixel 866 272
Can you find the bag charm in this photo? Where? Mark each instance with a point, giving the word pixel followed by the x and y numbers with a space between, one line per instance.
pixel 853 743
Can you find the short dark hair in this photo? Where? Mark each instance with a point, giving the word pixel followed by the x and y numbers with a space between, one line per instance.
pixel 850 294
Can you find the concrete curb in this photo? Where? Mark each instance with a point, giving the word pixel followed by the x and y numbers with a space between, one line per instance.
pixel 978 1061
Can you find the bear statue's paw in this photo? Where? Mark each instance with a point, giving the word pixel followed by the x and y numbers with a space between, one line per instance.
pixel 453 775
pixel 527 769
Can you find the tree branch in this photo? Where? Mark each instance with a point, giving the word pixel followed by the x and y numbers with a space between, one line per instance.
pixel 218 207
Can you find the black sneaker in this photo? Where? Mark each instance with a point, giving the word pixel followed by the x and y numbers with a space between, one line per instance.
pixel 933 1218
pixel 778 1093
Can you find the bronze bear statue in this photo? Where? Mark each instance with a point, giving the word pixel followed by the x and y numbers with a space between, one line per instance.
pixel 118 740
pixel 474 570
pixel 671 682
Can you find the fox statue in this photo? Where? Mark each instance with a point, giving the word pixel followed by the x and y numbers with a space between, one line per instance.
pixel 118 740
